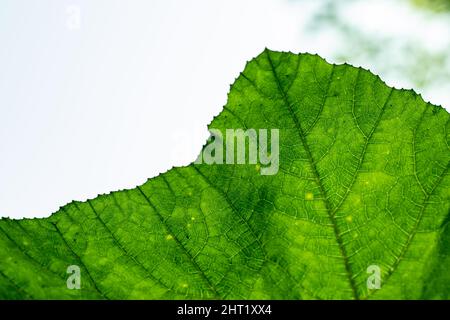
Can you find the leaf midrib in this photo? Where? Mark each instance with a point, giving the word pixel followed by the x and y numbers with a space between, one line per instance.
pixel 317 178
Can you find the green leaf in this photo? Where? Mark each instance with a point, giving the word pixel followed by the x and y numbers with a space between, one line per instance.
pixel 363 181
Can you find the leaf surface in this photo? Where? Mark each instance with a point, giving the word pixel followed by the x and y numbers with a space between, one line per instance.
pixel 363 180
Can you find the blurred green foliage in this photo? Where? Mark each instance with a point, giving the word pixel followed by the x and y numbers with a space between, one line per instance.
pixel 435 5
pixel 402 59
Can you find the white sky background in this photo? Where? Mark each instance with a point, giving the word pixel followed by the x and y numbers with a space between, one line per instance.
pixel 129 94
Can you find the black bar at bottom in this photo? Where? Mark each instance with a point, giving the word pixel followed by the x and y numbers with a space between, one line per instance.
pixel 225 309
